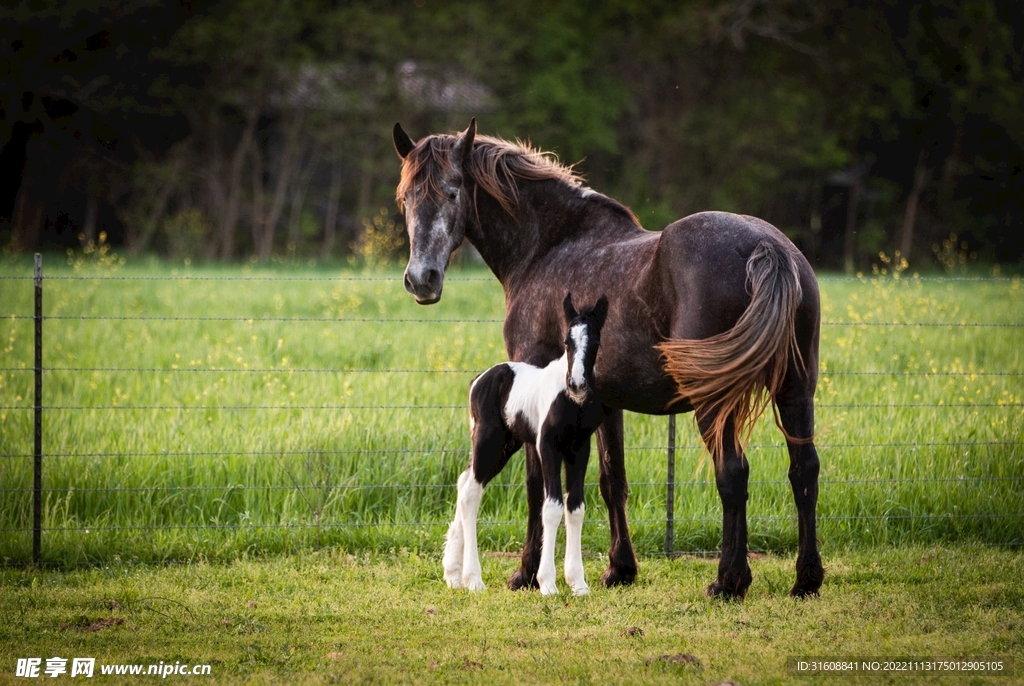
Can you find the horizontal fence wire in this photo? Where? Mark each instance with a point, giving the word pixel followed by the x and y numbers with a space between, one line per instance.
pixel 436 320
pixel 399 451
pixel 361 522
pixel 235 408
pixel 444 523
pixel 426 451
pixel 398 279
pixel 302 370
pixel 492 484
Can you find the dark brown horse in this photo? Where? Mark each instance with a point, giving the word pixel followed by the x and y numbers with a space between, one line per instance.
pixel 718 313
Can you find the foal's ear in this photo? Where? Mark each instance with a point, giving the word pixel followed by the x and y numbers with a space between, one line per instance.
pixel 601 310
pixel 403 144
pixel 568 309
pixel 463 147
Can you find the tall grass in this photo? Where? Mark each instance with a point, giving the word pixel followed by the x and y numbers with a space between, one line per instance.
pixel 267 415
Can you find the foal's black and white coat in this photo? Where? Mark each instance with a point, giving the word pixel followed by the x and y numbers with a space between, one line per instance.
pixel 553 408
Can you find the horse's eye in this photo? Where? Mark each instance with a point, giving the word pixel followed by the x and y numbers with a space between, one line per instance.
pixel 451 195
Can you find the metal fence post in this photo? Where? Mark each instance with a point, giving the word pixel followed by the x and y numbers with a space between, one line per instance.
pixel 670 488
pixel 37 468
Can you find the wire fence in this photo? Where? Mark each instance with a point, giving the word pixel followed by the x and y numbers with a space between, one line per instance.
pixel 47 520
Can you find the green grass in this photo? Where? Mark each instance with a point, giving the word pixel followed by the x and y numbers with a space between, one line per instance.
pixel 181 480
pixel 331 616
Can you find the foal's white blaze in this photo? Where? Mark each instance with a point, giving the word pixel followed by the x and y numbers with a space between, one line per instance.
pixel 578 334
pixel 551 516
pixel 574 550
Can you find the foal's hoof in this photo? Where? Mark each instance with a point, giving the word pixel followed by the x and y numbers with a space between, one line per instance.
pixel 522 579
pixel 719 590
pixel 618 576
pixel 474 585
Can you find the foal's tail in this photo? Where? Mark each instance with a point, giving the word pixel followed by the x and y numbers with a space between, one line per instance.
pixel 738 372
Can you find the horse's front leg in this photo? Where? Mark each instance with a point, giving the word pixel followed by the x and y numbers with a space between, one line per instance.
pixel 574 510
pixel 614 490
pixel 731 474
pixel 551 514
pixel 526 575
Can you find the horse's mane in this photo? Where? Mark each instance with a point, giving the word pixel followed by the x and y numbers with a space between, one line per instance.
pixel 495 165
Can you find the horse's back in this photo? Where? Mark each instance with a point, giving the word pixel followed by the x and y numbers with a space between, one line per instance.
pixel 702 260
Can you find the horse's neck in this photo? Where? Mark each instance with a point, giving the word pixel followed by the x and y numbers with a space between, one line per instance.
pixel 548 214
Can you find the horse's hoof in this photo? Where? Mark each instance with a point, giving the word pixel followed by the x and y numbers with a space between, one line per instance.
pixel 581 590
pixel 521 580
pixel 618 576
pixel 798 592
pixel 546 590
pixel 719 590
pixel 475 585
pixel 453 581
pixel 808 579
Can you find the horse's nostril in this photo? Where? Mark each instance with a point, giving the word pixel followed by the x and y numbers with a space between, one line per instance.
pixel 408 283
pixel 434 280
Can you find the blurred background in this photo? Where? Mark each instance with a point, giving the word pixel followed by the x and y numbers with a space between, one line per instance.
pixel 260 131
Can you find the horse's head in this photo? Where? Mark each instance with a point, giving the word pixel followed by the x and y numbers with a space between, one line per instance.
pixel 581 344
pixel 433 193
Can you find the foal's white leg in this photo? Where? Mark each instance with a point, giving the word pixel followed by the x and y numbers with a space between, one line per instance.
pixel 454 541
pixel 574 550
pixel 551 516
pixel 470 493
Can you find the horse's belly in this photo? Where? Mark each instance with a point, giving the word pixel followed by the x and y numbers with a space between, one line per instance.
pixel 639 389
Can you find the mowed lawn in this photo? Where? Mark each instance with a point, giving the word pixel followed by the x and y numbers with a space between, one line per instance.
pixel 332 616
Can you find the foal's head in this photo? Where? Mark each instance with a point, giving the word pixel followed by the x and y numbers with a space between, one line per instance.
pixel 581 345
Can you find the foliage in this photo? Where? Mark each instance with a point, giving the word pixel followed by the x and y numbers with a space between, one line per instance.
pixel 382 240
pixel 245 109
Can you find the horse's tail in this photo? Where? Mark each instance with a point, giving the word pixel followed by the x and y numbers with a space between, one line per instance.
pixel 738 372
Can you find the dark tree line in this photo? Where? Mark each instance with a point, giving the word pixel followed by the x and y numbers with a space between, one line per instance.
pixel 261 128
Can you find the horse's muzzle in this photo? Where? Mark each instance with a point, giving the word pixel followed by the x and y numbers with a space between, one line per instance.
pixel 425 285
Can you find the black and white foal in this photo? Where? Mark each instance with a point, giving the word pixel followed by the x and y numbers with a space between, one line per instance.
pixel 555 409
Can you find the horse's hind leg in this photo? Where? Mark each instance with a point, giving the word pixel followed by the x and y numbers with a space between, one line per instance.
pixel 455 540
pixel 797 417
pixel 731 473
pixel 492 448
pixel 614 490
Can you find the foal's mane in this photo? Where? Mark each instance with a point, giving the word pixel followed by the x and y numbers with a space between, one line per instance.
pixel 495 165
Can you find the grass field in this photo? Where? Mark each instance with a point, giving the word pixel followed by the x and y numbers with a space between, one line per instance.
pixel 332 617
pixel 226 437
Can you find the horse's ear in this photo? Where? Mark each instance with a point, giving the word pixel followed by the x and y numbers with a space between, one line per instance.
pixel 463 147
pixel 601 310
pixel 403 144
pixel 570 311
